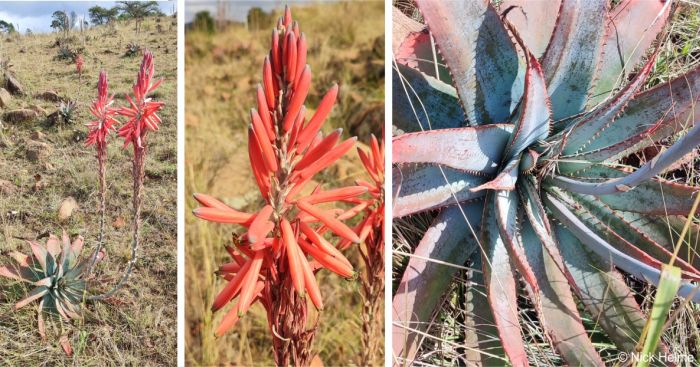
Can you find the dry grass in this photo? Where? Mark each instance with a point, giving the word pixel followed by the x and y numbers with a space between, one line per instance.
pixel 222 70
pixel 138 326
pixel 680 52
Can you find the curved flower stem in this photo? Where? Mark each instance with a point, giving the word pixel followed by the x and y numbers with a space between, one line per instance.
pixel 101 160
pixel 138 175
pixel 291 341
pixel 372 293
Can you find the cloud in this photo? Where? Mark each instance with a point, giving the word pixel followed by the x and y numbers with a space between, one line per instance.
pixel 36 15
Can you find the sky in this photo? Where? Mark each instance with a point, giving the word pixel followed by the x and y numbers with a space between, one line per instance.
pixel 36 15
pixel 237 10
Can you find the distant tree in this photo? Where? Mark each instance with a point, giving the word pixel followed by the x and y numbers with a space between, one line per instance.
pixel 6 27
pixel 258 18
pixel 60 21
pixel 203 22
pixel 138 10
pixel 28 32
pixel 100 15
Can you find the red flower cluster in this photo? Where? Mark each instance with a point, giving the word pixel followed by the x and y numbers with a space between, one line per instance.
pixel 371 229
pixel 79 64
pixel 285 152
pixel 104 115
pixel 141 111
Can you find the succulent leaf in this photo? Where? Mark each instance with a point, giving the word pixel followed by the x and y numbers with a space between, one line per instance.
pixel 630 30
pixel 455 27
pixel 501 285
pixel 424 103
pixel 603 291
pixel 470 149
pixel 448 239
pixel 570 59
pixel 586 129
pixel 557 308
pixel 605 250
pixel 534 21
pixel 582 217
pixel 652 115
pixel 419 188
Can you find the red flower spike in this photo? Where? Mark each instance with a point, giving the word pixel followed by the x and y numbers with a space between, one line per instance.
pixel 285 232
pixel 79 64
pixel 141 111
pixel 324 108
pixel 104 114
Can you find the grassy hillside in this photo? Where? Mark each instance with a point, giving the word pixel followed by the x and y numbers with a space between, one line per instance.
pixel 222 71
pixel 41 164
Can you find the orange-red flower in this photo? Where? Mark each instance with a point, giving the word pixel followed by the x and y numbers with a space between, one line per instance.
pixel 284 243
pixel 79 63
pixel 103 112
pixel 141 111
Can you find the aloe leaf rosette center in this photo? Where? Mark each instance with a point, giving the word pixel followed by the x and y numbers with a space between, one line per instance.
pixel 511 128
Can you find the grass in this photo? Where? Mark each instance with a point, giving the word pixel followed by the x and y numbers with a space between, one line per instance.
pixel 680 52
pixel 137 326
pixel 221 72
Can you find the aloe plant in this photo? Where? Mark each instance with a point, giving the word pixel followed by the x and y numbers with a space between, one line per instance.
pixel 514 134
pixel 57 274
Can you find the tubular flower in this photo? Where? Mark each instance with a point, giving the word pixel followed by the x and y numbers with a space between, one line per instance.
pixel 141 111
pixel 104 114
pixel 284 244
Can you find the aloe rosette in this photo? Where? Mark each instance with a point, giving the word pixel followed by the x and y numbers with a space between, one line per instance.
pixel 57 274
pixel 514 133
pixel 284 244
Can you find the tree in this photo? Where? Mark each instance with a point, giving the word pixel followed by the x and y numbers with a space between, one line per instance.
pixel 60 21
pixel 100 15
pixel 258 19
pixel 203 22
pixel 138 10
pixel 6 27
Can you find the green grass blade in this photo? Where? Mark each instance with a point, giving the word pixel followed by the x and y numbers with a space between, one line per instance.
pixel 665 293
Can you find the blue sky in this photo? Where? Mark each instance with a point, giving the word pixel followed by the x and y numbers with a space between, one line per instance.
pixel 237 10
pixel 36 15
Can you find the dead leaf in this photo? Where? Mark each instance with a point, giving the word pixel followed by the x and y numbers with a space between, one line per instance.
pixel 65 344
